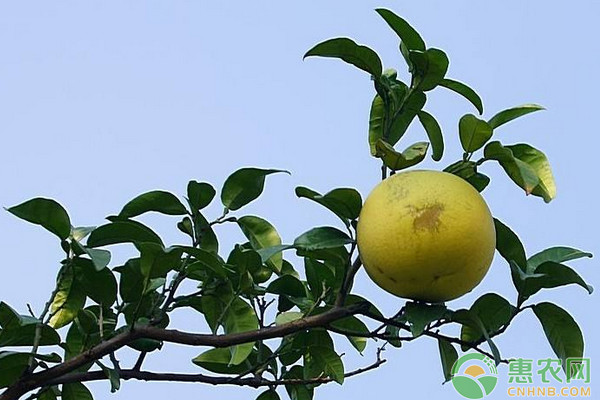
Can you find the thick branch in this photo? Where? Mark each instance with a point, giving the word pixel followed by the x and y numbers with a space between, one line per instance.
pixel 193 339
pixel 36 380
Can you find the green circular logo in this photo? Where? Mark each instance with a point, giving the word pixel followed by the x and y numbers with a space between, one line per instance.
pixel 474 376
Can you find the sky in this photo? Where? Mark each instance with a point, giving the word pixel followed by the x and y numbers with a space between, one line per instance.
pixel 102 101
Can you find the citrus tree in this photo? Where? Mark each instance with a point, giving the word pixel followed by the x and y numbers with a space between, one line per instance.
pixel 271 323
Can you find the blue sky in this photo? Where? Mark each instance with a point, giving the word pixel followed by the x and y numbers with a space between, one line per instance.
pixel 101 101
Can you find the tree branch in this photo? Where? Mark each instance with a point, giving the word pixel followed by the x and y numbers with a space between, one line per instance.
pixel 201 378
pixel 42 378
pixel 194 339
pixel 435 335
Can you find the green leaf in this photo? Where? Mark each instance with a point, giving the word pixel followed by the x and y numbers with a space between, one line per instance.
pixel 81 232
pixel 100 286
pixel 19 330
pixel 557 254
pixel 392 91
pixel 448 356
pixel 396 161
pixel 392 333
pixel 131 284
pixel 430 67
pixel 479 181
pixel 354 325
pixel 328 361
pixel 509 245
pixel 468 171
pixel 539 163
pixel 240 317
pixel 87 321
pixel 334 257
pixel 404 117
pixel 494 312
pixel 69 299
pixel 146 345
pixel 519 171
pixel 75 391
pixel 200 194
pixel 519 278
pixel 509 114
pixel 561 330
pixel 205 234
pixel 262 235
pixel 12 366
pixel 295 391
pixel 113 378
pixel 100 257
pixel 49 358
pixel 287 317
pixel 552 275
pixel 324 237
pixel 185 226
pixel 464 91
pixel 84 333
pixel 473 132
pixel 471 319
pixel 356 299
pixel 268 395
pixel 269 252
pixel 347 50
pixel 242 259
pixel 205 263
pixel 122 232
pixel 434 133
pixel 47 394
pixel 156 261
pixel 343 202
pixel 407 34
pixel 157 200
pixel 289 351
pixel 419 315
pixel 376 122
pixel 318 276
pixel 46 213
pixel 217 361
pixel 213 309
pixel 244 186
pixel 287 285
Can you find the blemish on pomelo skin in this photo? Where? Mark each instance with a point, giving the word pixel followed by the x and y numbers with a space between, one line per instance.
pixel 427 217
pixel 397 193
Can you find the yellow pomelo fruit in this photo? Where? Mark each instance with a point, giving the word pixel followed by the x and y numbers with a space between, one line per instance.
pixel 426 235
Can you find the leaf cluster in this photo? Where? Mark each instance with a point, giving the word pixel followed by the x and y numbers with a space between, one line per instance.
pixel 397 104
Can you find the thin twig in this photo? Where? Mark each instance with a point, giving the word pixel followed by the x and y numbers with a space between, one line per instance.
pixel 140 361
pixel 200 378
pixel 435 335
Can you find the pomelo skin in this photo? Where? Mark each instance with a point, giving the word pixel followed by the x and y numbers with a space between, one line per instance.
pixel 426 235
